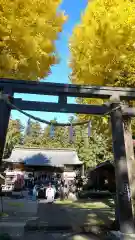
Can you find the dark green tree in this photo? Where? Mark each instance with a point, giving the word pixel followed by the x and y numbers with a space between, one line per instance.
pixel 14 136
pixel 28 128
pixel 32 137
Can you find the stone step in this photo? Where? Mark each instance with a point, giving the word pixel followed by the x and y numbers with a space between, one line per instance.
pixel 14 229
pixel 36 226
pixel 42 225
pixel 117 235
pixel 17 219
pixel 13 226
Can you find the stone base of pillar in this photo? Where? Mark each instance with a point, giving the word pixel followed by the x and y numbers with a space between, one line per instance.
pixel 117 235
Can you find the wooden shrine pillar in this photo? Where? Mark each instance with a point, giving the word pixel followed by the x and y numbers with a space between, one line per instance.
pixel 123 199
pixel 5 111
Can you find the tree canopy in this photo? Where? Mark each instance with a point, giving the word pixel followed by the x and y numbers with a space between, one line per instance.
pixel 28 30
pixel 103 44
pixel 102 49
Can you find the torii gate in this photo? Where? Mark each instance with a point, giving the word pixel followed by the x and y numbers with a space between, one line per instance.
pixel 120 121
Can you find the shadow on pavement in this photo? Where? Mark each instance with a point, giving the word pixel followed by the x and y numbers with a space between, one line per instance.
pixel 63 218
pixel 86 219
pixel 57 236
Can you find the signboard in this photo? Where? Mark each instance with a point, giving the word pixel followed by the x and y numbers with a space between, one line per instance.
pixel 69 175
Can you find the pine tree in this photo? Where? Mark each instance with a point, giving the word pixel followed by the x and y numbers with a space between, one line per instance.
pixel 33 138
pixel 28 128
pixel 14 136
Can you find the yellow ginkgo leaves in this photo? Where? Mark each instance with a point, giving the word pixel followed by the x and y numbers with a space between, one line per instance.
pixel 28 30
pixel 102 45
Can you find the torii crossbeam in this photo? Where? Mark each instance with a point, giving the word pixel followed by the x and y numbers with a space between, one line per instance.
pixel 122 139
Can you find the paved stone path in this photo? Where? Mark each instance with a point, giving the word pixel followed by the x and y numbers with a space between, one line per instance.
pixel 53 222
pixel 56 236
pixel 54 217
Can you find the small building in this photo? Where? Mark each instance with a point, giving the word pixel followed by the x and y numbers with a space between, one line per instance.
pixel 63 161
pixel 102 177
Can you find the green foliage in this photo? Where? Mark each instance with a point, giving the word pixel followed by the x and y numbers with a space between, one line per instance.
pixel 91 150
pixel 32 136
pixel 14 136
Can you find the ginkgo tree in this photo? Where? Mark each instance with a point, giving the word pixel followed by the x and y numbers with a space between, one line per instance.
pixel 103 45
pixel 28 30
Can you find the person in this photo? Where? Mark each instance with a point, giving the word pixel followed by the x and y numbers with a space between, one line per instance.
pixel 61 191
pixel 66 191
pixel 50 193
pixel 34 194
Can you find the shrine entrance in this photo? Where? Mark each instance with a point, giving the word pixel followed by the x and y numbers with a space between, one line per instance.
pixel 120 116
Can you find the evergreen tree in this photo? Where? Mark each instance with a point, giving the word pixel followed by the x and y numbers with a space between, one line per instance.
pixel 28 128
pixel 14 136
pixel 33 137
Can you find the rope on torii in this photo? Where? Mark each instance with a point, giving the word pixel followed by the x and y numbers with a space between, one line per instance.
pixel 6 99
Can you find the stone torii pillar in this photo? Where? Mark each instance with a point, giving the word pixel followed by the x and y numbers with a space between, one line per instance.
pixel 123 196
pixel 130 154
pixel 5 111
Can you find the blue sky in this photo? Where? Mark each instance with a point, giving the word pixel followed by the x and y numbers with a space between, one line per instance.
pixel 61 71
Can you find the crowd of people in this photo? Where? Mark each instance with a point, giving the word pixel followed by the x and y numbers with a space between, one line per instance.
pixel 55 184
pixel 65 188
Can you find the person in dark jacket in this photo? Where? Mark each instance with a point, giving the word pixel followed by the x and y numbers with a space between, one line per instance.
pixel 61 191
pixel 66 191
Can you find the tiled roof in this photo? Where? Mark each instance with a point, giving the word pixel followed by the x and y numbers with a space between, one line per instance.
pixel 45 157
